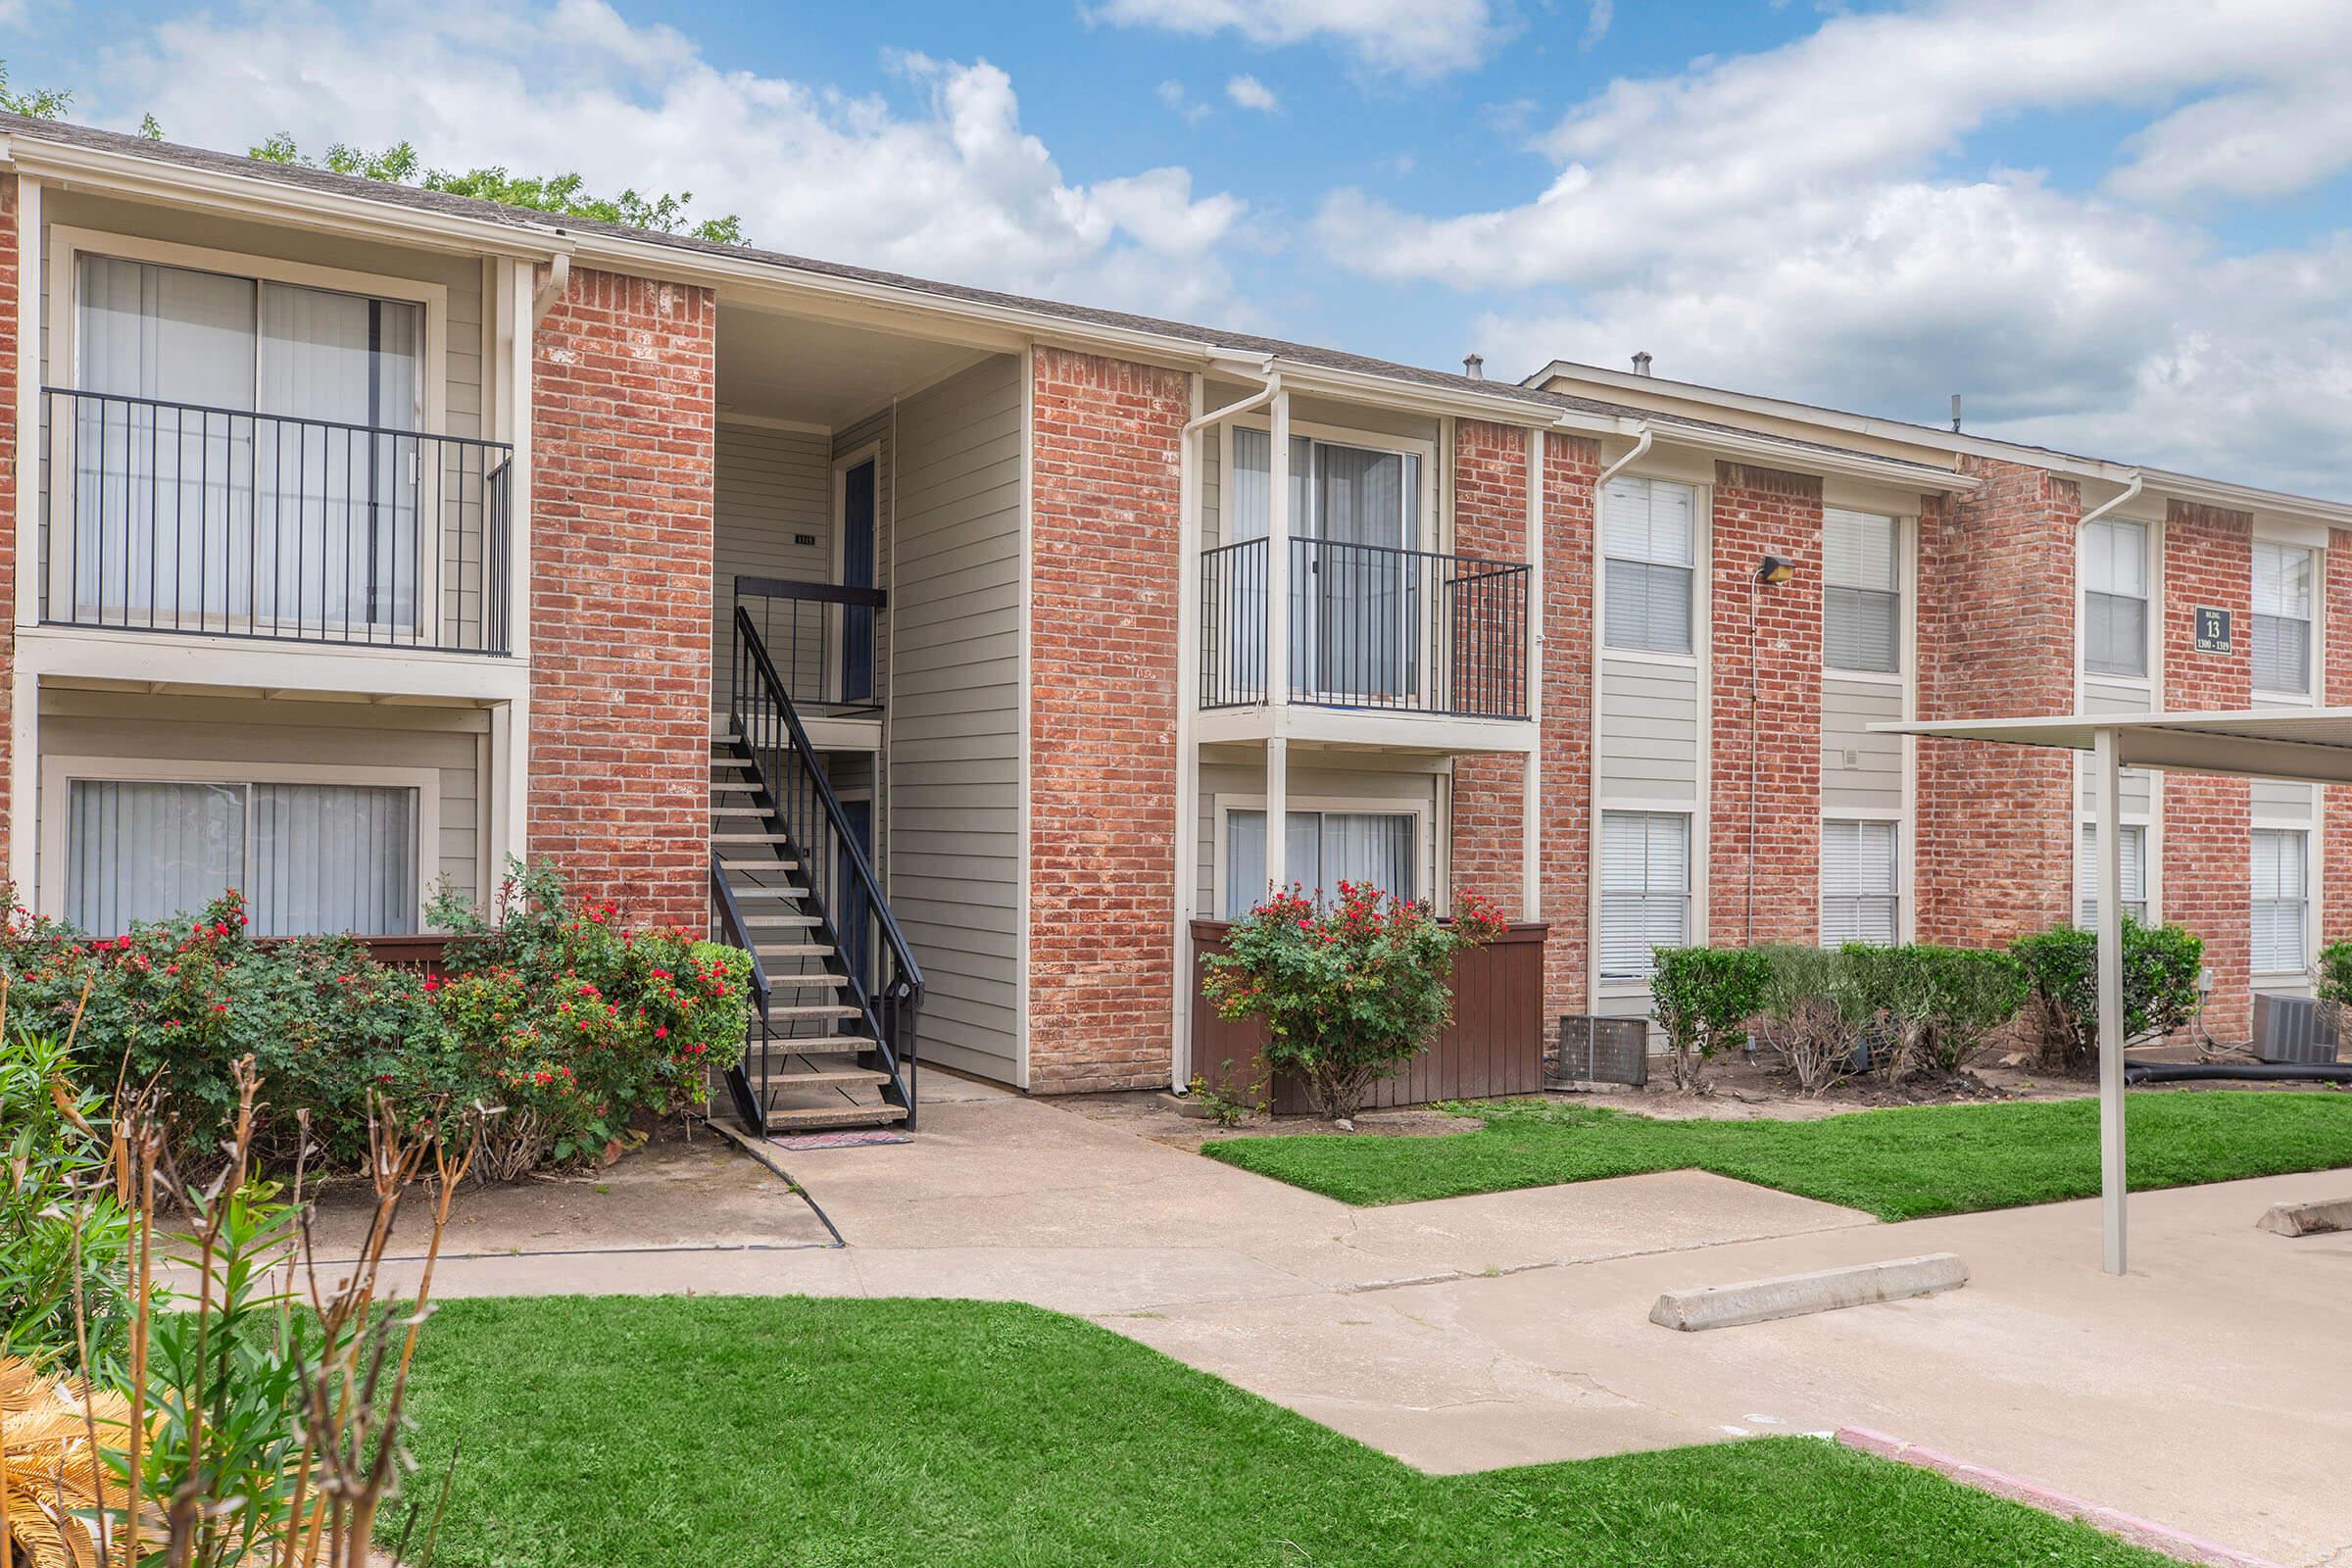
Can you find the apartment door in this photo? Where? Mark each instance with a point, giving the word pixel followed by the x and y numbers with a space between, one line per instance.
pixel 858 509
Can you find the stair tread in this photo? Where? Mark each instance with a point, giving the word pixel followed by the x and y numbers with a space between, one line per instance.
pixel 817 1046
pixel 777 919
pixel 748 838
pixel 813 1009
pixel 846 1115
pixel 822 1078
pixel 811 981
pixel 795 949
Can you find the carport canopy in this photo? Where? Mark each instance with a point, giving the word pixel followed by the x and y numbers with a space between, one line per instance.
pixel 2308 746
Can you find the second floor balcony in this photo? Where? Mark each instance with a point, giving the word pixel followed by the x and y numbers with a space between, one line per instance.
pixel 182 517
pixel 1371 629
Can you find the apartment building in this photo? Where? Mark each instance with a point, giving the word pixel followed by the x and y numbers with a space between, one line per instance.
pixel 968 658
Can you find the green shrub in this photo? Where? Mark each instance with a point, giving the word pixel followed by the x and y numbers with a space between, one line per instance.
pixel 2335 974
pixel 1940 1005
pixel 1349 993
pixel 2061 970
pixel 55 1152
pixel 1703 999
pixel 1811 1008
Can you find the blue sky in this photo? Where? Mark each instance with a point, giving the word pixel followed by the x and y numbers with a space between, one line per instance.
pixel 2117 226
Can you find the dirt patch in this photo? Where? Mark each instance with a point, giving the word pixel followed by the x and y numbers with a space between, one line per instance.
pixel 1156 1114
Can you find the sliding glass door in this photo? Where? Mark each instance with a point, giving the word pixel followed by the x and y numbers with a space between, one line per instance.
pixel 241 456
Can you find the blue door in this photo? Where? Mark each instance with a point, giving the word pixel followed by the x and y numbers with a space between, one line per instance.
pixel 851 908
pixel 858 507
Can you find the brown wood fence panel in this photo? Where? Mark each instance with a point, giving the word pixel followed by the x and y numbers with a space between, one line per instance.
pixel 1494 1046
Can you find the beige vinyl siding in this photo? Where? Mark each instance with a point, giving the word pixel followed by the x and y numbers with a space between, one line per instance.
pixel 451 741
pixel 769 488
pixel 1860 771
pixel 1232 771
pixel 955 708
pixel 2135 787
pixel 1649 731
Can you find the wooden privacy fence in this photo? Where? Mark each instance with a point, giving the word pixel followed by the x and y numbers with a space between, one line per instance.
pixel 1495 1044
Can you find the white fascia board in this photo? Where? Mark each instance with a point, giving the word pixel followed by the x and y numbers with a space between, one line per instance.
pixel 267 201
pixel 179 660
pixel 1802 459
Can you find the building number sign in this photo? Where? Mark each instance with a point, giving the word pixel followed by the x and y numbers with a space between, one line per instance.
pixel 2213 630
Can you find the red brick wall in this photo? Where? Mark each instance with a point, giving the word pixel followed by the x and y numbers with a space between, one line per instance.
pixel 1772 723
pixel 1995 839
pixel 8 487
pixel 621 446
pixel 2209 559
pixel 2336 684
pixel 1489 520
pixel 1104 520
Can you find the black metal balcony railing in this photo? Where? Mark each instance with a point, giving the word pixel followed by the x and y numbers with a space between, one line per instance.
pixel 1370 628
pixel 824 641
pixel 181 518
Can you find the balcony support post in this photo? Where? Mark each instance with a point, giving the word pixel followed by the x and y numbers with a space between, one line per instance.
pixel 1278 567
pixel 1188 754
pixel 1278 812
pixel 1531 806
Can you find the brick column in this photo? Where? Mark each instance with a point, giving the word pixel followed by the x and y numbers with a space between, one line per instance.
pixel 1997 636
pixel 1765 750
pixel 1106 444
pixel 2334 619
pixel 2209 559
pixel 624 415
pixel 1571 465
pixel 11 333
pixel 1489 521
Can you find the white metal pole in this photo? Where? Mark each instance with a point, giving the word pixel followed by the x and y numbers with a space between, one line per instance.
pixel 1279 523
pixel 2109 790
pixel 1278 812
pixel 1531 803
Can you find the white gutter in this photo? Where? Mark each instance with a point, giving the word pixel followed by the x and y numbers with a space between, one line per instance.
pixel 2130 488
pixel 544 297
pixel 1255 399
pixel 1619 467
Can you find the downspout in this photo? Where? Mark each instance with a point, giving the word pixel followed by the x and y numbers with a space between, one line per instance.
pixel 2130 490
pixel 1188 667
pixel 544 297
pixel 1643 436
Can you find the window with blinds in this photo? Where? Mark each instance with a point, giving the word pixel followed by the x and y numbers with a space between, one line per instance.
pixel 1649 545
pixel 1323 849
pixel 2282 575
pixel 1859 897
pixel 1861 592
pixel 2114 598
pixel 311 858
pixel 1644 889
pixel 2281 901
pixel 2133 840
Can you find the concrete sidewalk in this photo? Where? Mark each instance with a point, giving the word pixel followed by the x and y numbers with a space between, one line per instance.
pixel 2208 1390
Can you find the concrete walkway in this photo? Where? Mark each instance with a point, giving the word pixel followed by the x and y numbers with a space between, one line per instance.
pixel 2209 1390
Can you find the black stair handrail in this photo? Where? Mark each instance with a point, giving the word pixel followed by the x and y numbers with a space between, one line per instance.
pixel 891 1011
pixel 735 932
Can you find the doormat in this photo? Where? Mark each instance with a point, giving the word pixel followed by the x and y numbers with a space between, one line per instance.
pixel 838 1140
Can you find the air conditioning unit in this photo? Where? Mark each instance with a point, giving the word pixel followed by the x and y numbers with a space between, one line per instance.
pixel 1598 1051
pixel 2294 1029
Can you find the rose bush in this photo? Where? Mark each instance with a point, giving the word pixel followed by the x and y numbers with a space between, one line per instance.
pixel 1348 992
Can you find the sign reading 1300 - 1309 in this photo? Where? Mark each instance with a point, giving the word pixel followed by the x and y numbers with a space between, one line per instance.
pixel 2213 630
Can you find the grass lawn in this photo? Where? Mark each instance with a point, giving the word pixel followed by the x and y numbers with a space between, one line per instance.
pixel 1897 1164
pixel 668 1431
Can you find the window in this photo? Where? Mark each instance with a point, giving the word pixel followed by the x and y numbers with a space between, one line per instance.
pixel 1353 511
pixel 1862 599
pixel 1644 889
pixel 2280 902
pixel 1651 550
pixel 1859 880
pixel 1324 849
pixel 2134 841
pixel 308 518
pixel 309 857
pixel 2281 618
pixel 2114 598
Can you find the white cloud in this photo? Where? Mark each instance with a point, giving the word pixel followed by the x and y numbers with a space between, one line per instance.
pixel 1597 16
pixel 1247 92
pixel 1172 94
pixel 950 186
pixel 1418 39
pixel 1806 221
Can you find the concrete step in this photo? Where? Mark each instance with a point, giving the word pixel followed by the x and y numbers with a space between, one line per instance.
pixel 846 1115
pixel 794 950
pixel 824 1078
pixel 811 1012
pixel 817 1046
pixel 803 921
pixel 816 980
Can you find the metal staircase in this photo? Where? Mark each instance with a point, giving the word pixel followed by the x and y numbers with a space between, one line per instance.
pixel 835 990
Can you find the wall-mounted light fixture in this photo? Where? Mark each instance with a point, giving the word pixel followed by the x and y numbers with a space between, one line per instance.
pixel 1774 570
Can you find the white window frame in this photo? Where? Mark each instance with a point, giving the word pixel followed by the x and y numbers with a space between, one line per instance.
pixel 60 368
pixel 2312 619
pixel 1901 896
pixel 2151 536
pixel 1693 885
pixel 60 773
pixel 1432 530
pixel 2308 828
pixel 1702 514
pixel 1900 530
pixel 1425 858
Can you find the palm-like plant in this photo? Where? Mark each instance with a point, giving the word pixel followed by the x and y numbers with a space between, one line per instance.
pixel 53 1473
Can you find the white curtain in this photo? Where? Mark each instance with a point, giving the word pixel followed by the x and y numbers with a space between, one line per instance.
pixel 310 857
pixel 146 851
pixel 1321 849
pixel 1352 627
pixel 155 486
